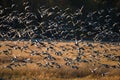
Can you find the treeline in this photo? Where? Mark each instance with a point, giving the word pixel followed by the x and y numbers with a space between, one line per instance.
pixel 89 4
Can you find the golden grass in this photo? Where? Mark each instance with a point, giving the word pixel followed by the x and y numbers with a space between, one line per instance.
pixel 31 71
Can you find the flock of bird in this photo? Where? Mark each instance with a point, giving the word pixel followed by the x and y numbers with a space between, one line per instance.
pixel 59 55
pixel 55 23
pixel 59 24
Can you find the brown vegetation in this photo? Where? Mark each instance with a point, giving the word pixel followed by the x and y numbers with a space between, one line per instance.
pixel 33 71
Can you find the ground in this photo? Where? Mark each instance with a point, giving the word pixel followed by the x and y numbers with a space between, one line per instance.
pixel 57 60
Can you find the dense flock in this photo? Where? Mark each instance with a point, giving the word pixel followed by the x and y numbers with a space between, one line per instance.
pixel 43 26
pixel 92 58
pixel 54 23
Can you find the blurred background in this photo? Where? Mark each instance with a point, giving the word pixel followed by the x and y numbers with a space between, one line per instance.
pixel 89 4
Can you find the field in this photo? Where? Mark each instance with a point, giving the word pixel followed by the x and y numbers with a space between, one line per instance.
pixel 56 60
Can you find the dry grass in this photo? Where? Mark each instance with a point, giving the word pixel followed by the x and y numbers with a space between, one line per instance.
pixel 31 71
